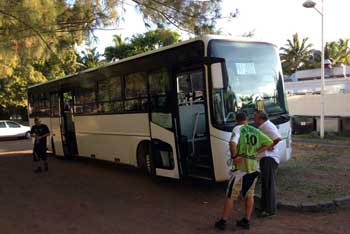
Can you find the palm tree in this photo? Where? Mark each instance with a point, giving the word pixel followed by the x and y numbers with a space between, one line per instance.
pixel 338 51
pixel 295 54
pixel 90 58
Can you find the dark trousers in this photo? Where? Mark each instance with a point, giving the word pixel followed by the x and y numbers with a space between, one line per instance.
pixel 268 168
pixel 39 156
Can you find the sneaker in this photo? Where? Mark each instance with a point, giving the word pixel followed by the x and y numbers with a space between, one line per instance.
pixel 220 224
pixel 265 214
pixel 38 170
pixel 244 223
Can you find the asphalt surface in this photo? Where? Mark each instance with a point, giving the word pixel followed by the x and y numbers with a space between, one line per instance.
pixel 11 146
pixel 83 197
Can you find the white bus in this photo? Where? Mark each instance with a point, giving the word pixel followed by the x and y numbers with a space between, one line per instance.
pixel 168 111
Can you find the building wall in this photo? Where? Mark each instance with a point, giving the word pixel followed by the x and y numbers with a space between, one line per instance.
pixel 332 86
pixel 309 105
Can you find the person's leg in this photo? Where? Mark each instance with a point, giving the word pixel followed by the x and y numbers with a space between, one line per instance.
pixel 36 160
pixel 44 160
pixel 264 184
pixel 248 191
pixel 233 189
pixel 249 206
pixel 228 207
pixel 271 186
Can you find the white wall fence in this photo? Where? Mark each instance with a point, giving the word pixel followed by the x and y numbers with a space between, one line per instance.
pixel 332 86
pixel 336 105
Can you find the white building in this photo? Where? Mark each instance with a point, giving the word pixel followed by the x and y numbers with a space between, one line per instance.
pixel 303 95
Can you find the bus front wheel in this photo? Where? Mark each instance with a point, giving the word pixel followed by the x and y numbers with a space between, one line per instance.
pixel 145 159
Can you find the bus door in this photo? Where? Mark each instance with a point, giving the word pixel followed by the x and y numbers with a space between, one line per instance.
pixel 193 123
pixel 68 136
pixel 55 122
pixel 163 125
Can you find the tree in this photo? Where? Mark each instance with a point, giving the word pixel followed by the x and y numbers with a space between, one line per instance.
pixel 38 36
pixel 48 24
pixel 338 51
pixel 90 59
pixel 121 49
pixel 295 54
pixel 196 17
pixel 140 43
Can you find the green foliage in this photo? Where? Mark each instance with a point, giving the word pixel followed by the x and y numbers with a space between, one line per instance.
pixel 13 91
pixel 197 17
pixel 90 59
pixel 295 54
pixel 140 43
pixel 37 37
pixel 338 51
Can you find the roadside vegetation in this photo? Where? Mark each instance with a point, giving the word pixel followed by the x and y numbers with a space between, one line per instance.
pixel 342 138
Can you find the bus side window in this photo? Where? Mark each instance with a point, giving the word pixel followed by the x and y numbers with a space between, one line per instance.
pixel 159 83
pixel 136 92
pixel 110 95
pixel 85 99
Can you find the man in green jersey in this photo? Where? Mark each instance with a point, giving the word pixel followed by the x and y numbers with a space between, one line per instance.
pixel 246 141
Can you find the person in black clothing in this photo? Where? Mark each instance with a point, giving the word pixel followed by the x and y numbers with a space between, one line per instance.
pixel 40 132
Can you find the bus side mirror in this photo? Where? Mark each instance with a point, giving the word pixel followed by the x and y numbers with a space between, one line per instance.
pixel 219 75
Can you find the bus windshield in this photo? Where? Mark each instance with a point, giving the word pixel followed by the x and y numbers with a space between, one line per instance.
pixel 254 80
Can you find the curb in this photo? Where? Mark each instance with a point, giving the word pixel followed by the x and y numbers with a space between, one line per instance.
pixel 322 206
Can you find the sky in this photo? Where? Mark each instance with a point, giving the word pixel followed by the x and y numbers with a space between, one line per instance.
pixel 271 20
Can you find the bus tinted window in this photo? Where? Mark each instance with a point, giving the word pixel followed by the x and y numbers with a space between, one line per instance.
pixel 137 105
pixel 111 107
pixel 55 109
pixel 39 105
pixel 135 85
pixel 110 95
pixel 109 90
pixel 85 99
pixel 159 84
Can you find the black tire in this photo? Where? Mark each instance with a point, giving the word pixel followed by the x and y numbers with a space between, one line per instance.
pixel 27 135
pixel 145 159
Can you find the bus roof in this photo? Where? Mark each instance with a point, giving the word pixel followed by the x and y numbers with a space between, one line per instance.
pixel 204 38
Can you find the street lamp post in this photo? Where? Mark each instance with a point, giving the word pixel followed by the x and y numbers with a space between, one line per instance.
pixel 312 4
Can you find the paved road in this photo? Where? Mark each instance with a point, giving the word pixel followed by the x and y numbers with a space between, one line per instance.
pixel 81 197
pixel 11 146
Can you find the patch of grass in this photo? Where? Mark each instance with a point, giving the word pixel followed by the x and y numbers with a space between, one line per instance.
pixel 314 174
pixel 340 138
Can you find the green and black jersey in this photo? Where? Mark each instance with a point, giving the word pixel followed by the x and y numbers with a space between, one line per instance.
pixel 248 140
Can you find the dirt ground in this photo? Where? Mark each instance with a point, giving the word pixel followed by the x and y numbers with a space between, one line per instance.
pixel 82 197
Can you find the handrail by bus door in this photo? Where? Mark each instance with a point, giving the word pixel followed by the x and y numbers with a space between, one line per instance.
pixel 194 132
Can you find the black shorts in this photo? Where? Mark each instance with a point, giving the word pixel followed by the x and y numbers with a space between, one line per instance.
pixel 242 183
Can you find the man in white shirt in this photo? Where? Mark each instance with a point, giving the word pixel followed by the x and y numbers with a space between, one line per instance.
pixel 268 164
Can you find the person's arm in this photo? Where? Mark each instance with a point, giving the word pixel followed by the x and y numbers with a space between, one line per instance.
pixel 46 133
pixel 32 133
pixel 43 136
pixel 274 135
pixel 263 148
pixel 233 146
pixel 275 142
pixel 265 141
pixel 233 149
